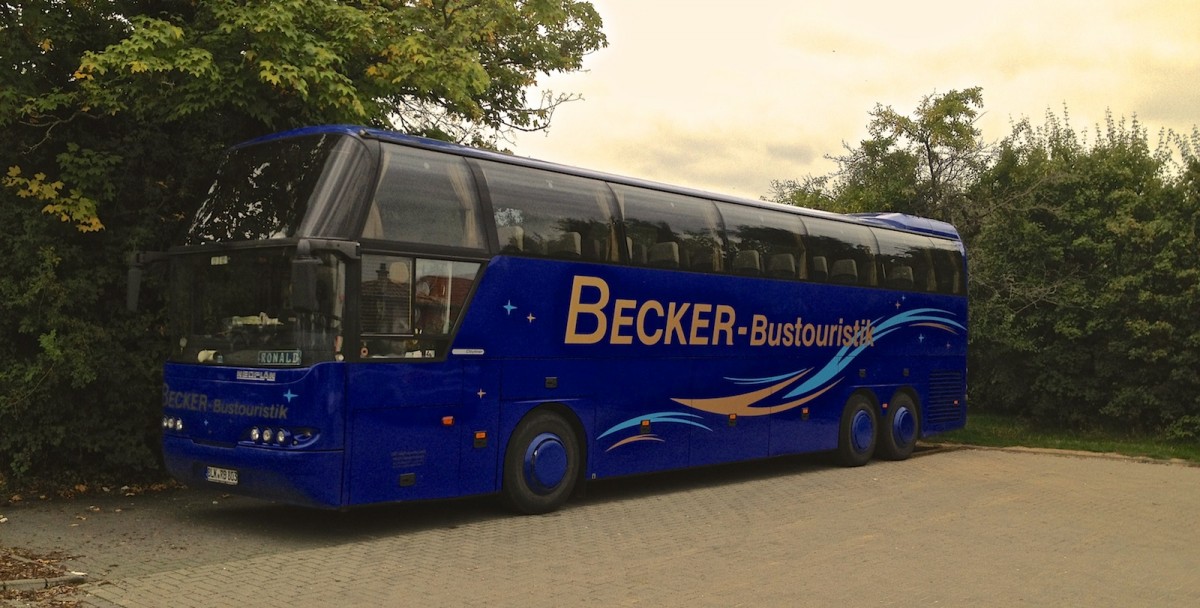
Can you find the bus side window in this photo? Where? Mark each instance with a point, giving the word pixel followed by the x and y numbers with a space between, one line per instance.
pixel 547 214
pixel 409 307
pixel 673 230
pixel 904 260
pixel 427 198
pixel 385 306
pixel 440 292
pixel 841 252
pixel 947 264
pixel 763 242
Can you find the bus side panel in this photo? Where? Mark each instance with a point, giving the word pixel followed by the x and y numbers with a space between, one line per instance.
pixel 403 454
pixel 733 430
pixel 602 393
pixel 478 472
pixel 638 427
pixel 400 446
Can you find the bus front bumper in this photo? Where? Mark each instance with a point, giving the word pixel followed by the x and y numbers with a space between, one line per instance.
pixel 312 479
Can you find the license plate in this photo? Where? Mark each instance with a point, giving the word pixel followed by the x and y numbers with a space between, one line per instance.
pixel 228 477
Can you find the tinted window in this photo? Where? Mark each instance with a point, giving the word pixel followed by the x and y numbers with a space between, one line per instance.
pixel 840 252
pixel 904 261
pixel 762 242
pixel 236 308
pixel 426 198
pixel 670 230
pixel 408 306
pixel 542 213
pixel 268 190
pixel 386 306
pixel 948 268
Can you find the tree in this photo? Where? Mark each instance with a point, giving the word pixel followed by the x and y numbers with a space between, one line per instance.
pixel 1085 287
pixel 920 165
pixel 1084 274
pixel 114 114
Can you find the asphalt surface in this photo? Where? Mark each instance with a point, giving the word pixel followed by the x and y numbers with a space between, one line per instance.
pixel 963 527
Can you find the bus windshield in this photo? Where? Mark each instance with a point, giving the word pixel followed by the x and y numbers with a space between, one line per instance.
pixel 235 308
pixel 283 188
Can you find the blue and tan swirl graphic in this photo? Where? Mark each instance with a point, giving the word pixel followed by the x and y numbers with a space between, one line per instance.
pixel 805 384
pixel 659 417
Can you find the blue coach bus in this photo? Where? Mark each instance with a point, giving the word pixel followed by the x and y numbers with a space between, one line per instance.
pixel 358 316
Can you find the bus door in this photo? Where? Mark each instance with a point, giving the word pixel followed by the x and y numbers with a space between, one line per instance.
pixel 402 446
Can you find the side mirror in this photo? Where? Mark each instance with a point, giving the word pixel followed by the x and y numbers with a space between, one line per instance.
pixel 304 284
pixel 304 278
pixel 137 262
pixel 133 288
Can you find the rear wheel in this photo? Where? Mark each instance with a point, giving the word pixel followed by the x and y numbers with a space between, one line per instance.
pixel 900 430
pixel 858 433
pixel 541 464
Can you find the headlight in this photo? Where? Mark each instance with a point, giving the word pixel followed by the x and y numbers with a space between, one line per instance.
pixel 255 434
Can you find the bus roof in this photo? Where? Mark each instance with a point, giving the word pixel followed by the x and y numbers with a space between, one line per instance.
pixel 897 221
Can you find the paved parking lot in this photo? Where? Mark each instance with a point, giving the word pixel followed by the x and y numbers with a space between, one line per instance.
pixel 952 528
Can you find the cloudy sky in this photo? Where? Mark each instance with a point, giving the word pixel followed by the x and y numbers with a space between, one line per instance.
pixel 726 96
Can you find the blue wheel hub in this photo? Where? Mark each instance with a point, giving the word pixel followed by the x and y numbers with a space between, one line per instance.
pixel 904 426
pixel 545 463
pixel 862 430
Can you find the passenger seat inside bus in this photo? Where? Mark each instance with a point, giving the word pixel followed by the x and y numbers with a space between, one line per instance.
pixel 664 255
pixel 706 260
pixel 901 277
pixel 568 246
pixel 845 272
pixel 748 262
pixel 782 266
pixel 512 239
pixel 820 269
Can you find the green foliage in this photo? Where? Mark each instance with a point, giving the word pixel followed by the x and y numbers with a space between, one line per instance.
pixel 921 165
pixel 1086 281
pixel 113 116
pixel 1085 277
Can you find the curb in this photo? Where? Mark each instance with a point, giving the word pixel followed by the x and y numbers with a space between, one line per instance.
pixel 1017 449
pixel 35 584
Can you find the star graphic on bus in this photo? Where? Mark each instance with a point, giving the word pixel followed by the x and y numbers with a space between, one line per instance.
pixel 509 307
pixel 289 395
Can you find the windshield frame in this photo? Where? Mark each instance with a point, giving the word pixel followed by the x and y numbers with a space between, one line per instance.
pixel 302 338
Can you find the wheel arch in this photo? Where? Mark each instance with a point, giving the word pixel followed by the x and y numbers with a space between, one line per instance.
pixel 910 391
pixel 572 418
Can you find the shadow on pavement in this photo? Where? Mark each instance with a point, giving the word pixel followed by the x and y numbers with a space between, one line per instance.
pixel 319 527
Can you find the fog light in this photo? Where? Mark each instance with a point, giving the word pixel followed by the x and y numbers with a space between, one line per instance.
pixel 268 435
pixel 255 434
pixel 281 437
pixel 178 425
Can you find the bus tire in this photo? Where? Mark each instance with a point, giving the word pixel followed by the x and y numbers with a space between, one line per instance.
pixel 900 429
pixel 859 431
pixel 541 464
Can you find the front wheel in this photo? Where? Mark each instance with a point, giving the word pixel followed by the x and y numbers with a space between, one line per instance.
pixel 901 429
pixel 858 432
pixel 541 464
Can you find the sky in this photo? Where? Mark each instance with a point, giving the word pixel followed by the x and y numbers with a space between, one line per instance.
pixel 727 96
